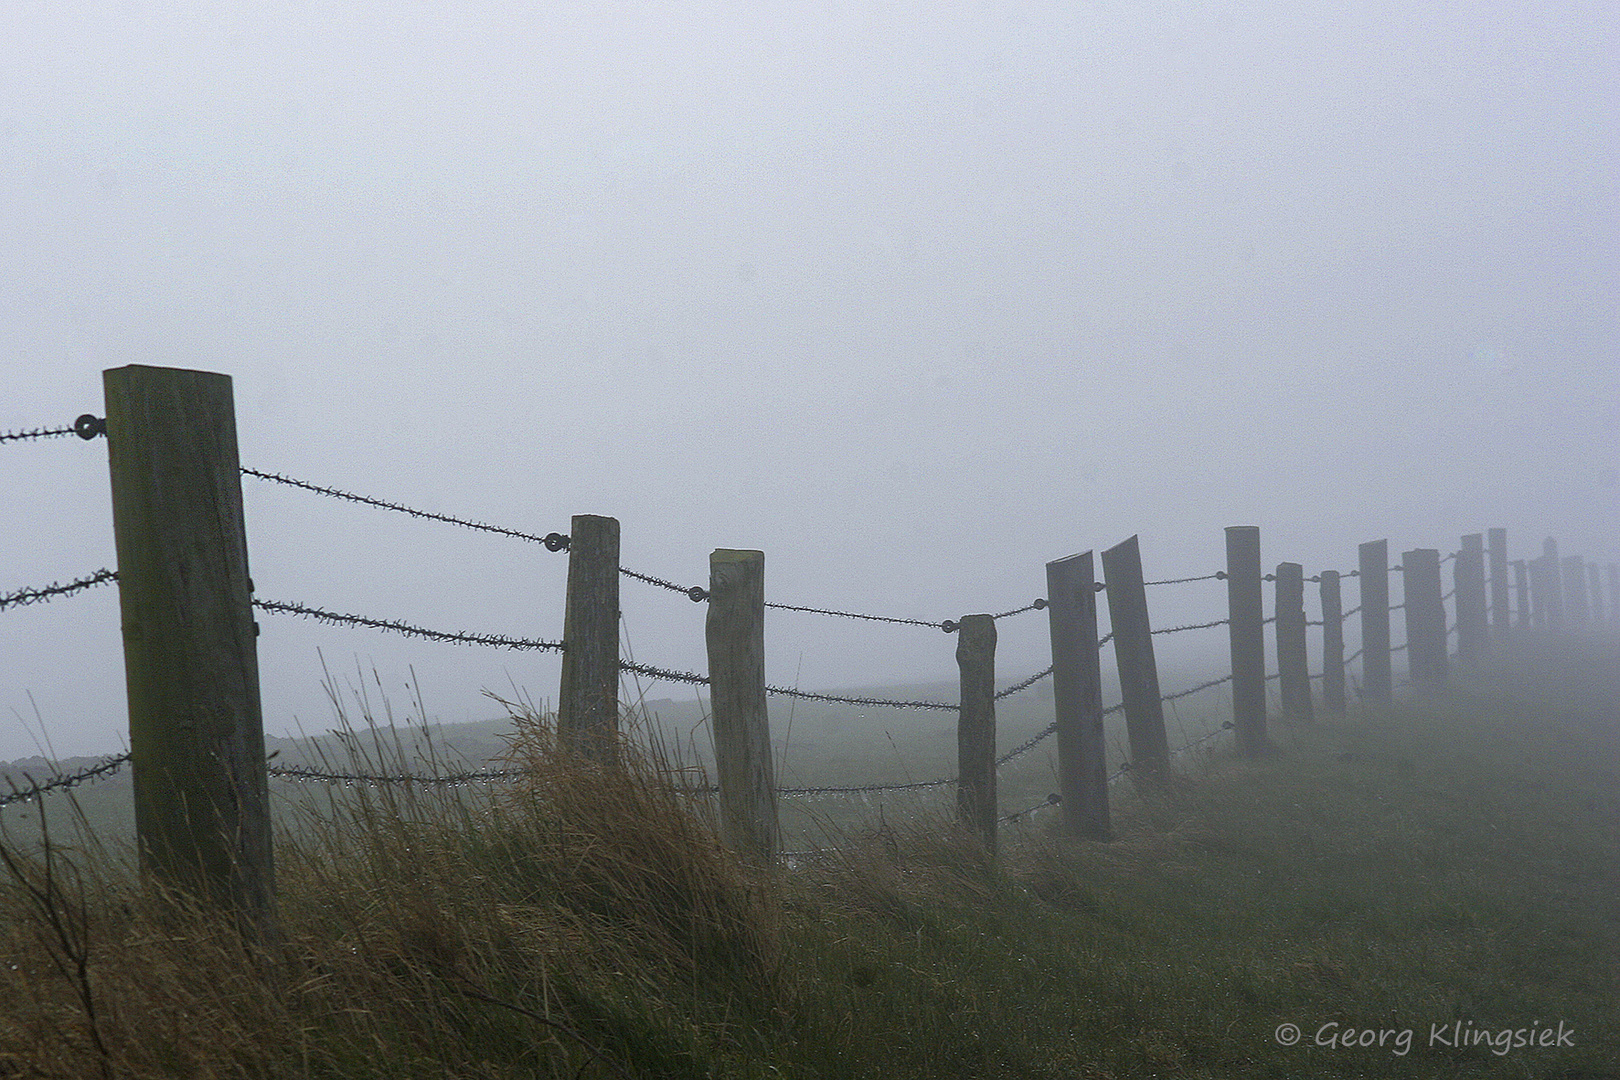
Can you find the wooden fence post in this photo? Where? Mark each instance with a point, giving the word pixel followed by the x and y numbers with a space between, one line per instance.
pixel 1576 612
pixel 588 698
pixel 1373 570
pixel 1597 592
pixel 1540 593
pixel 196 732
pixel 735 634
pixel 1499 582
pixel 1332 645
pixel 1246 625
pixel 1555 590
pixel 1425 616
pixel 1469 575
pixel 1293 663
pixel 1521 593
pixel 976 727
pixel 1071 608
pixel 1133 652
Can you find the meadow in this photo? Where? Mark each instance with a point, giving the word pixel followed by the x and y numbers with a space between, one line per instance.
pixel 1427 890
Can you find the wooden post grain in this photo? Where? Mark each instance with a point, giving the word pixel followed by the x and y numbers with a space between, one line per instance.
pixel 735 634
pixel 1293 664
pixel 1469 577
pixel 1333 700
pixel 1425 616
pixel 196 734
pixel 976 727
pixel 1499 582
pixel 1373 573
pixel 1071 607
pixel 1246 625
pixel 588 697
pixel 1133 653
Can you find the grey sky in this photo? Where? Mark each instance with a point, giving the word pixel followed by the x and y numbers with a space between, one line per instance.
pixel 914 297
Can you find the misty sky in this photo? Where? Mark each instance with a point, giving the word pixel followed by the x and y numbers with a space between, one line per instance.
pixel 913 297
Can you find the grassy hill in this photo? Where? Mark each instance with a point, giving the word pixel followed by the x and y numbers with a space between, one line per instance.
pixel 1429 891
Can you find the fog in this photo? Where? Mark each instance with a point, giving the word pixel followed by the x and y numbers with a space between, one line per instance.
pixel 912 297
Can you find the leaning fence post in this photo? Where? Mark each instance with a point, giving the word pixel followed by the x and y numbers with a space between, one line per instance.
pixel 588 698
pixel 1373 571
pixel 1469 575
pixel 735 634
pixel 196 732
pixel 976 726
pixel 1332 645
pixel 1071 608
pixel 1425 615
pixel 1133 652
pixel 1499 581
pixel 1293 666
pixel 1246 626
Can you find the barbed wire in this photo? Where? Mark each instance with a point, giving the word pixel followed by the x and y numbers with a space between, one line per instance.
pixel 872 618
pixel 499 641
pixel 663 674
pixel 60 783
pixel 1036 605
pixel 1191 690
pixel 34 433
pixel 306 774
pixel 1025 685
pixel 1219 575
pixel 807 695
pixel 696 593
pixel 1192 626
pixel 24 597
pixel 552 541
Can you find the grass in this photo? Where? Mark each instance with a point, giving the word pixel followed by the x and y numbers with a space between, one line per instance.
pixel 1450 867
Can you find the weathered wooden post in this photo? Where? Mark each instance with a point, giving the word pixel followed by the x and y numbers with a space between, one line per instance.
pixel 196 732
pixel 1499 581
pixel 1597 592
pixel 1521 593
pixel 976 726
pixel 1293 664
pixel 1133 652
pixel 735 634
pixel 1576 610
pixel 1246 626
pixel 1555 588
pixel 1469 576
pixel 1425 615
pixel 1373 570
pixel 1071 608
pixel 1332 645
pixel 588 698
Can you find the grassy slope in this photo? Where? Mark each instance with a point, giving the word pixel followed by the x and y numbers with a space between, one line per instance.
pixel 1457 860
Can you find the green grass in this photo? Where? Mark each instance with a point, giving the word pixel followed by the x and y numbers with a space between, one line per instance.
pixel 1454 861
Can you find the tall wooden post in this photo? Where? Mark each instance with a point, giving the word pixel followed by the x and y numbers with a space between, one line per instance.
pixel 1576 611
pixel 1469 575
pixel 976 726
pixel 1293 664
pixel 1541 590
pixel 1425 616
pixel 196 733
pixel 1373 570
pixel 735 634
pixel 1521 594
pixel 1133 652
pixel 1332 645
pixel 1246 625
pixel 1555 588
pixel 1071 607
pixel 1596 575
pixel 588 698
pixel 1499 581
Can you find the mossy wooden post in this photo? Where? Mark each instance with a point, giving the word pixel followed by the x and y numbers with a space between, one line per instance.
pixel 735 634
pixel 1332 645
pixel 1293 665
pixel 1425 616
pixel 1521 594
pixel 1133 653
pixel 1071 607
pixel 1469 575
pixel 1497 544
pixel 588 697
pixel 1373 572
pixel 1576 612
pixel 196 734
pixel 1246 624
pixel 976 727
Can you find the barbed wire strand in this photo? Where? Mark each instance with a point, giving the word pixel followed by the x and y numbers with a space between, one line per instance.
pixel 395 626
pixel 35 788
pixel 34 433
pixel 26 596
